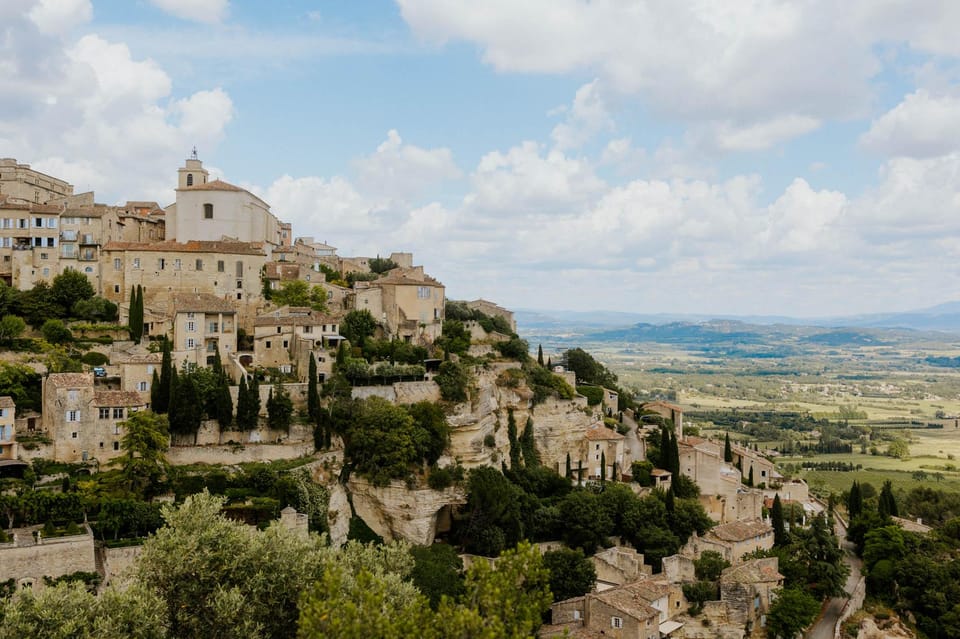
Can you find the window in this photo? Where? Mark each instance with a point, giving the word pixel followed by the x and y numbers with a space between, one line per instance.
pixel 423 292
pixel 73 435
pixel 191 327
pixel 176 264
pixel 116 445
pixel 616 622
pixel 308 329
pixel 239 267
pixel 51 242
pixel 191 343
pixel 286 368
pixel 279 330
pixel 3 412
pixel 118 412
pixel 268 344
pixel 199 265
pixel 219 266
pixel 239 283
pixel 239 296
pixel 576 615
pixel 213 327
pixel 149 369
pixel 190 316
pixel 189 179
pixel 286 344
pixel 117 265
pixel 73 395
pixel 38 222
pixel 51 223
pixel 136 262
pixel 104 413
pixel 141 386
pixel 161 263
pixel 208 211
pixel 116 288
pixel 44 256
pixel 73 416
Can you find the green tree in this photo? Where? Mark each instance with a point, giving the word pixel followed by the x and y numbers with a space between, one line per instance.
pixel 96 309
pixel 571 573
pixel 56 332
pixel 21 383
pixel 279 407
pixel 727 450
pixel 36 305
pixel 432 432
pixel 528 446
pixel 854 501
pixel 185 410
pixel 776 519
pixel 381 265
pixel 160 391
pixel 70 287
pixel 589 370
pixel 145 439
pixel 313 394
pixel 11 327
pixel 540 354
pixel 710 565
pixel 357 326
pixel 887 504
pixel 515 452
pixel 898 449
pixel 453 379
pixel 586 523
pixel 792 611
pixel 299 293
pixel 437 572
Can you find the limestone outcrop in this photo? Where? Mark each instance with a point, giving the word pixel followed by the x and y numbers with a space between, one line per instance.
pixel 398 512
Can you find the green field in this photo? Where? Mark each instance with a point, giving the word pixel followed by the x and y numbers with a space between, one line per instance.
pixel 824 482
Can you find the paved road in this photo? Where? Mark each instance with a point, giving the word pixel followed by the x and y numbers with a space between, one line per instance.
pixel 824 626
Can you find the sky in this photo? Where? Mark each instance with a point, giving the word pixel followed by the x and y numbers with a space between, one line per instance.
pixel 768 157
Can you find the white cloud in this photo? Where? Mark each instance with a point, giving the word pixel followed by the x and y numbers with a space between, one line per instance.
pixel 53 17
pixel 404 171
pixel 88 111
pixel 921 126
pixel 523 180
pixel 728 136
pixel 586 117
pixel 713 60
pixel 209 11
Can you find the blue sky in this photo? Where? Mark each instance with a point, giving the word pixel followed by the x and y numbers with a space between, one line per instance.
pixel 717 156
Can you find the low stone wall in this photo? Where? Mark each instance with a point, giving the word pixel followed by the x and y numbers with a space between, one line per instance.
pixel 400 392
pixel 28 563
pixel 180 455
pixel 117 562
pixel 853 604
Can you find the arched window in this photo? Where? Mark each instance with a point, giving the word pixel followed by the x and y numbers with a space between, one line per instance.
pixel 208 211
pixel 189 179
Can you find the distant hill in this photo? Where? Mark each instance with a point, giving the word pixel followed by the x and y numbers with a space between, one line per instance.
pixel 943 317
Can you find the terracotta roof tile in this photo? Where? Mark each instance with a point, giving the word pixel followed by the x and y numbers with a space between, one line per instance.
pixel 118 398
pixel 597 433
pixel 740 530
pixel 191 246
pixel 6 402
pixel 70 380
pixel 200 303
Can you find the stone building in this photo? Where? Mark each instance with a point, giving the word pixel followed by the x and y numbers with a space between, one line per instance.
pixel 212 210
pixel 667 411
pixel 203 324
pixel 764 471
pixel 732 540
pixel 29 242
pixel 19 181
pixel 618 565
pixel 748 591
pixel 285 337
pixel 638 610
pixel 227 270
pixel 603 445
pixel 493 310
pixel 84 421
pixel 8 428
pixel 410 304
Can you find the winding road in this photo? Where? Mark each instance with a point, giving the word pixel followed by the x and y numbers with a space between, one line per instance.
pixel 825 624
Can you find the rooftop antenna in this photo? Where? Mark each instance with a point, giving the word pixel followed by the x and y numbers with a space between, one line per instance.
pixel 193 155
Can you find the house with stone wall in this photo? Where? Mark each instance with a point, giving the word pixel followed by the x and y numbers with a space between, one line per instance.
pixel 203 325
pixel 285 337
pixel 748 590
pixel 732 540
pixel 635 611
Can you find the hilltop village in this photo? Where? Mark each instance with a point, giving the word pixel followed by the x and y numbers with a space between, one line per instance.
pixel 347 396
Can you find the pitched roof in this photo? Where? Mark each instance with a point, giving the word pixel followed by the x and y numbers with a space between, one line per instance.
pixel 740 530
pixel 754 571
pixel 118 398
pixel 629 599
pixel 65 380
pixel 396 278
pixel 281 271
pixel 599 433
pixel 200 303
pixel 7 402
pixel 299 315
pixel 220 185
pixel 191 246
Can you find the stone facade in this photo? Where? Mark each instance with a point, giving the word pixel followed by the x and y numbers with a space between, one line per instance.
pixel 19 181
pixel 494 310
pixel 28 561
pixel 285 337
pixel 8 428
pixel 619 565
pixel 748 591
pixel 203 325
pixel 732 540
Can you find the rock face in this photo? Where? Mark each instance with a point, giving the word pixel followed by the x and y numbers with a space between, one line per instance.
pixel 397 512
pixel 338 514
pixel 558 424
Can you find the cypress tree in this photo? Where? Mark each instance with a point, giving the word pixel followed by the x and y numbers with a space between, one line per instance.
pixel 155 393
pixel 569 473
pixel 160 401
pixel 887 505
pixel 512 439
pixel 243 404
pixel 313 395
pixel 603 467
pixel 727 451
pixel 139 324
pixel 776 520
pixel 669 502
pixel 253 393
pixel 750 476
pixel 132 315
pixel 540 354
pixel 579 472
pixel 528 446
pixel 854 501
pixel 279 407
pixel 550 363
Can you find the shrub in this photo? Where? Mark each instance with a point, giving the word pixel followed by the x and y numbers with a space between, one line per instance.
pixel 453 380
pixel 490 441
pixel 440 478
pixel 515 348
pixel 594 394
pixel 56 332
pixel 93 358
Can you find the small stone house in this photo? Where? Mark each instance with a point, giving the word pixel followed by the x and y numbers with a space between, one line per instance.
pixel 748 591
pixel 625 612
pixel 203 325
pixel 603 445
pixel 732 540
pixel 285 337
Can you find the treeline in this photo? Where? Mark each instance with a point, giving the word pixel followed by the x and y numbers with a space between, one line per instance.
pixel 915 574
pixel 70 295
pixel 843 467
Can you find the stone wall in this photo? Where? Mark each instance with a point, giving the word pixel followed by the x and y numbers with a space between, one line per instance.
pixel 28 562
pixel 400 392
pixel 179 455
pixel 117 562
pixel 678 568
pixel 853 604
